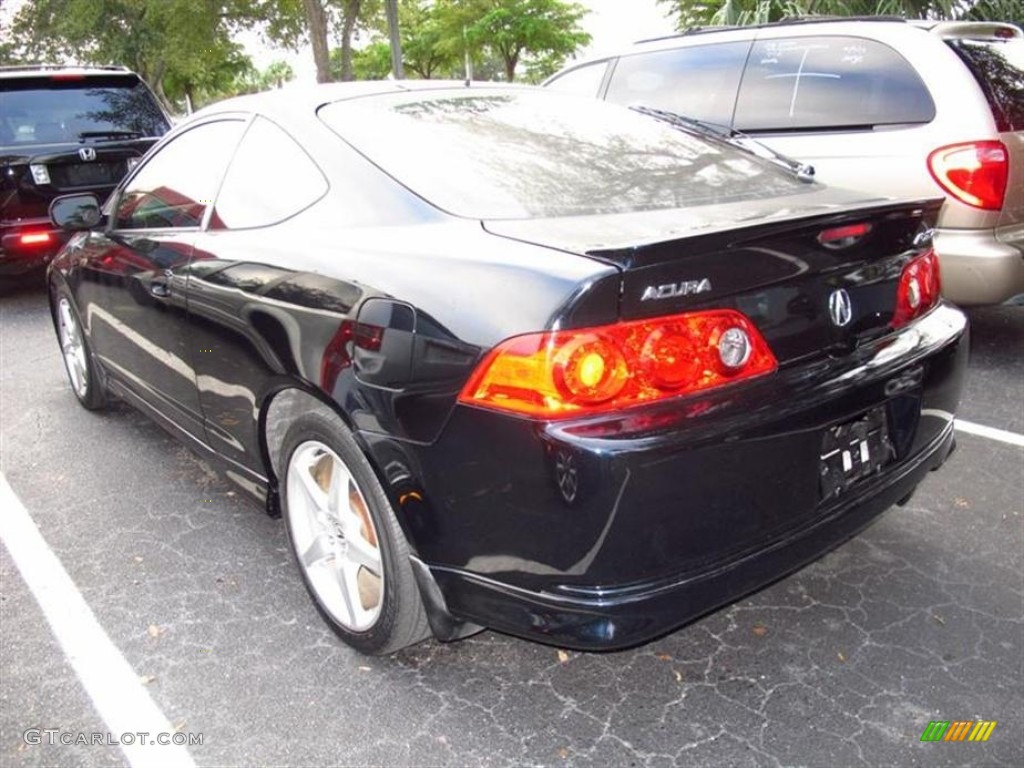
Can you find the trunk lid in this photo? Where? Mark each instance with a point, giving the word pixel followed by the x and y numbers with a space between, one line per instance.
pixel 779 266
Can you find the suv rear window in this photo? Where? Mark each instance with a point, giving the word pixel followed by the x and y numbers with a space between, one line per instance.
pixel 998 66
pixel 811 83
pixel 60 109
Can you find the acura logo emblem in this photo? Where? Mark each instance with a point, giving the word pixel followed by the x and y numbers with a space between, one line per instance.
pixel 87 153
pixel 840 308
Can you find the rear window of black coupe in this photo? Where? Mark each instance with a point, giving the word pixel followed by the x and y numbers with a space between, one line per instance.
pixel 493 154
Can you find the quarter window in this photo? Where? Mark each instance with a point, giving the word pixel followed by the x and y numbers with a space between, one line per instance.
pixel 697 81
pixel 582 81
pixel 176 186
pixel 998 66
pixel 811 83
pixel 271 178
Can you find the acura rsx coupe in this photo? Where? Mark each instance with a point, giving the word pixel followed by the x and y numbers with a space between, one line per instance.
pixel 504 358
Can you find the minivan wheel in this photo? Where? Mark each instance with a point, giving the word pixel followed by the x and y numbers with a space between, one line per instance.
pixel 349 548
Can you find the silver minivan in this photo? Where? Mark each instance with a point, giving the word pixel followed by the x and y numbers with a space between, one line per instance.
pixel 900 108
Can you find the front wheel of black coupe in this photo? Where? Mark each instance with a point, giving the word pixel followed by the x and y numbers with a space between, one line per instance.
pixel 74 347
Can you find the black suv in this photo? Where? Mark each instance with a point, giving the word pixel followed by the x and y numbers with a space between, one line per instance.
pixel 64 129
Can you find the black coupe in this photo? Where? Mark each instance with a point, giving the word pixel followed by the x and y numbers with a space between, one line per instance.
pixel 508 359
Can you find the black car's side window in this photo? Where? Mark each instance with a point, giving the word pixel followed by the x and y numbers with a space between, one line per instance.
pixel 698 81
pixel 176 186
pixel 582 81
pixel 270 179
pixel 811 83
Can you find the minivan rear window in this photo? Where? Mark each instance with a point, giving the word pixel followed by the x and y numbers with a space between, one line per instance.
pixel 815 83
pixel 998 66
pixel 698 81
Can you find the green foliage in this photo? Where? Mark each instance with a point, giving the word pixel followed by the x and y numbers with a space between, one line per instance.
pixel 371 62
pixel 424 30
pixel 540 27
pixel 253 80
pixel 695 13
pixel 497 35
pixel 514 29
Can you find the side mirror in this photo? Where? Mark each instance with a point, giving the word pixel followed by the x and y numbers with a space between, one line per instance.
pixel 74 213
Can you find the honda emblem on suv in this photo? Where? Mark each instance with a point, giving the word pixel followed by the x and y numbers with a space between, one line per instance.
pixel 87 153
pixel 840 308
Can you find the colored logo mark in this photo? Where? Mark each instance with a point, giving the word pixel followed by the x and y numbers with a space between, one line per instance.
pixel 958 730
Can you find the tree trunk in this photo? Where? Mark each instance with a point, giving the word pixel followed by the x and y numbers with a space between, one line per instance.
pixel 348 28
pixel 316 19
pixel 510 66
pixel 397 71
pixel 155 78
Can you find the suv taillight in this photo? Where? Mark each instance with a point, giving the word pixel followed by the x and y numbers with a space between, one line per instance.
pixel 919 288
pixel 557 374
pixel 974 173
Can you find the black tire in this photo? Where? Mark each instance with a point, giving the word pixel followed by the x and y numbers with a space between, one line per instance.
pixel 389 614
pixel 79 364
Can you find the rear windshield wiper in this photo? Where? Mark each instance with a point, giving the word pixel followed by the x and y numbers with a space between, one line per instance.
pixel 109 135
pixel 733 137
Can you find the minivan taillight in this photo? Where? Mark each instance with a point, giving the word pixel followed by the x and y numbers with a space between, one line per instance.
pixel 557 374
pixel 974 173
pixel 919 288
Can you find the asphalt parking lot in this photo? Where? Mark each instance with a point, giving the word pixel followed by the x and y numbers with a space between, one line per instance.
pixel 846 662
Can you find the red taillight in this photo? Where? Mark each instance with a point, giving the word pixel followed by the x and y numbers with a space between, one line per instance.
pixel 974 173
pixel 919 288
pixel 35 238
pixel 571 373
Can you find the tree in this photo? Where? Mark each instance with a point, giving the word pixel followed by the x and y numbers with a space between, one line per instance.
pixel 423 30
pixel 513 29
pixel 371 62
pixel 253 80
pixel 316 26
pixel 694 13
pixel 293 23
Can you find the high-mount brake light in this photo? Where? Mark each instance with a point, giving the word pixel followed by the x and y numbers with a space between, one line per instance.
pixel 843 236
pixel 974 173
pixel 557 374
pixel 35 238
pixel 919 288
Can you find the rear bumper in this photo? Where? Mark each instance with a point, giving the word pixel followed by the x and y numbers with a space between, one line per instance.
pixel 618 617
pixel 608 532
pixel 979 268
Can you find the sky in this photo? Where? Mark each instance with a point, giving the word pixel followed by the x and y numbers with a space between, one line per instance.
pixel 611 23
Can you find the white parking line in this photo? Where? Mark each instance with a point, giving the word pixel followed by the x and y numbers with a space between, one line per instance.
pixel 1002 435
pixel 114 687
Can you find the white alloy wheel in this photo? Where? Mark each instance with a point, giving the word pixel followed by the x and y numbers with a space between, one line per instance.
pixel 334 537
